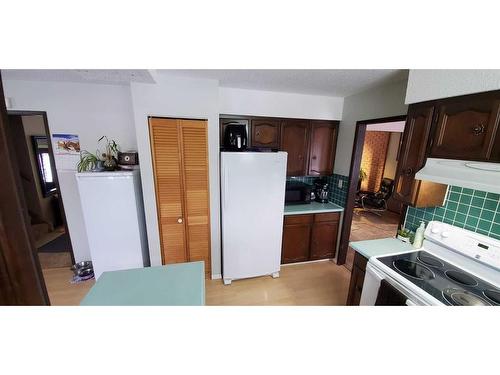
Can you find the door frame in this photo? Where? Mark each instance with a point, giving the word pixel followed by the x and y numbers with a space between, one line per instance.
pixel 357 153
pixel 21 277
pixel 53 166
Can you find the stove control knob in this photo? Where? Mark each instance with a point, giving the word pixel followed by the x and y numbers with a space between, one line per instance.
pixel 445 234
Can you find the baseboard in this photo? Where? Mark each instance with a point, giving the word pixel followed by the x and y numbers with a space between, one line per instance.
pixel 309 261
pixel 216 276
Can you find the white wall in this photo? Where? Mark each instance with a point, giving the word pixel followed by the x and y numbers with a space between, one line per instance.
pixel 442 83
pixel 181 98
pixel 385 101
pixel 279 104
pixel 89 110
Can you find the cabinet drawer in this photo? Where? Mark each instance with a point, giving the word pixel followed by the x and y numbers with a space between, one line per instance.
pixel 298 219
pixel 331 216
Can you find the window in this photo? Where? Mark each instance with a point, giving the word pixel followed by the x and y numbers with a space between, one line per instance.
pixel 44 166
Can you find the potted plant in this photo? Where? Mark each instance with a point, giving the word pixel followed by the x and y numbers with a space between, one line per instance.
pixel 404 235
pixel 362 177
pixel 100 160
pixel 109 157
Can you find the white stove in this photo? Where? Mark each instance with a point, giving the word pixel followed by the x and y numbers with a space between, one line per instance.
pixel 454 267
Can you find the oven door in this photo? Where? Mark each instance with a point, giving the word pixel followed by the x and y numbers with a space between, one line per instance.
pixel 378 289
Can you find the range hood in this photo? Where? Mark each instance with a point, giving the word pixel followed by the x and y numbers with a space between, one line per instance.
pixel 469 174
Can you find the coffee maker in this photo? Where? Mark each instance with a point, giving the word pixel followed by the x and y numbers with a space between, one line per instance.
pixel 321 190
pixel 235 137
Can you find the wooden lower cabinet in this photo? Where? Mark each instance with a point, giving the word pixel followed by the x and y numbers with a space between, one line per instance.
pixel 309 237
pixel 324 240
pixel 357 279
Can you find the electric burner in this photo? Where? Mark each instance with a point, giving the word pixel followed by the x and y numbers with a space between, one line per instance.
pixel 413 269
pixel 492 295
pixel 430 261
pixel 459 297
pixel 460 277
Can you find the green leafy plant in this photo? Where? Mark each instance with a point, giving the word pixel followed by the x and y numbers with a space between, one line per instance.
pixel 362 174
pixel 112 147
pixel 89 161
pixel 404 232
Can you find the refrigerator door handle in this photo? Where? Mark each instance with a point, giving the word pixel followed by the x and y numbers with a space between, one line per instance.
pixel 225 190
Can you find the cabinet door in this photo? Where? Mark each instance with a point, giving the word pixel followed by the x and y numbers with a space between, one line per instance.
pixel 295 141
pixel 466 128
pixel 355 286
pixel 194 154
pixel 296 239
pixel 357 280
pixel 324 240
pixel 165 149
pixel 322 147
pixel 265 133
pixel 412 154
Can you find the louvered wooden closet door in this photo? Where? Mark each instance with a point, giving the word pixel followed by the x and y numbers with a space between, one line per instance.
pixel 196 191
pixel 165 148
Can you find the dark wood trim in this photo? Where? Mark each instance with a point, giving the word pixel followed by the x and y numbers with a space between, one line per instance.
pixel 21 278
pixel 53 165
pixel 357 152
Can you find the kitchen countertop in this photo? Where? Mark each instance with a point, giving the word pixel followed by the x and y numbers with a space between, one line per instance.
pixel 383 246
pixel 311 208
pixel 180 284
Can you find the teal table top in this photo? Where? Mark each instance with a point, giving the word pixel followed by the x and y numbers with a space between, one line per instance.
pixel 383 246
pixel 181 284
pixel 311 208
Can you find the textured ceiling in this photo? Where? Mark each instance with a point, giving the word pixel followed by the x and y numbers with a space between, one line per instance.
pixel 329 82
pixel 109 76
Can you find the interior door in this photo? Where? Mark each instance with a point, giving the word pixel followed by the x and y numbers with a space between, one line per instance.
pixel 295 141
pixel 194 154
pixel 167 163
pixel 21 279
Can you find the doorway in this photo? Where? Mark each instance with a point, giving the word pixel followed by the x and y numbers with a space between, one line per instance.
pixel 30 139
pixel 371 212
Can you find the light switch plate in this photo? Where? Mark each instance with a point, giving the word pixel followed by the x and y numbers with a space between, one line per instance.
pixel 340 184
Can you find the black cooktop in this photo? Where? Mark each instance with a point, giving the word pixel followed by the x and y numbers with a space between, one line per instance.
pixel 443 281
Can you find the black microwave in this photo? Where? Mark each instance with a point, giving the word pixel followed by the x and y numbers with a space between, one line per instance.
pixel 297 192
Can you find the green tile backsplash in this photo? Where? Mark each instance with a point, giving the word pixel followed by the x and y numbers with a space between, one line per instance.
pixel 336 195
pixel 474 210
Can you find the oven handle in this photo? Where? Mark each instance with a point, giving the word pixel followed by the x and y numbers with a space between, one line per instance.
pixel 371 285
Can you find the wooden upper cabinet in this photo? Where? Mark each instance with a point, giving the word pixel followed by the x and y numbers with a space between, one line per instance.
pixel 265 133
pixel 466 128
pixel 412 158
pixel 322 147
pixel 295 141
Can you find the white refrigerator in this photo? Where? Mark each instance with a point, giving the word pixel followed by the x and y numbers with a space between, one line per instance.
pixel 113 212
pixel 252 200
